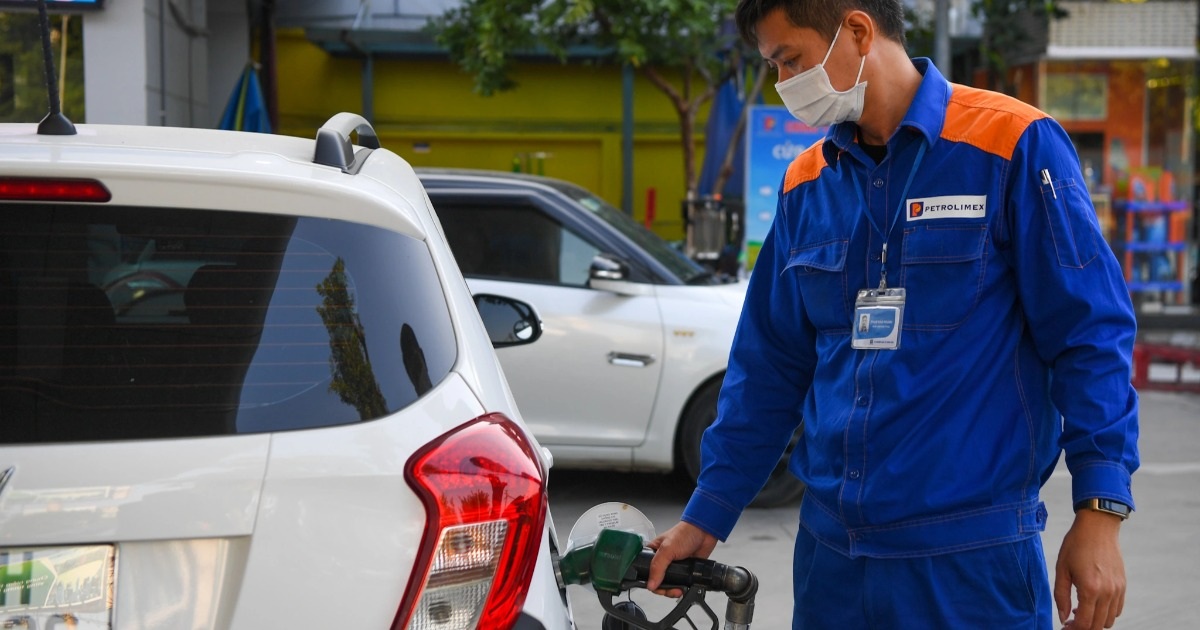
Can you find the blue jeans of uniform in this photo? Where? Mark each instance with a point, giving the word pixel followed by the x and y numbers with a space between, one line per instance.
pixel 1001 586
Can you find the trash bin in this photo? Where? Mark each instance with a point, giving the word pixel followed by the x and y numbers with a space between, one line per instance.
pixel 704 221
pixel 713 231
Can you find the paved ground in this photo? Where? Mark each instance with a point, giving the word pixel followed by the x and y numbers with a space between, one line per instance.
pixel 1161 542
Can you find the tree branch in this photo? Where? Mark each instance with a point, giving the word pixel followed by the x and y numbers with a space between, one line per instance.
pixel 726 169
pixel 665 86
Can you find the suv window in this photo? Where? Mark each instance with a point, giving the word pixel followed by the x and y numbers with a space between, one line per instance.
pixel 684 268
pixel 133 323
pixel 516 242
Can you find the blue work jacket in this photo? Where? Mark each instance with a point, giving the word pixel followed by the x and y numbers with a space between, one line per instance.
pixel 1016 342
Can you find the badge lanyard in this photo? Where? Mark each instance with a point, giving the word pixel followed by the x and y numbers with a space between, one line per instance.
pixel 862 202
pixel 879 313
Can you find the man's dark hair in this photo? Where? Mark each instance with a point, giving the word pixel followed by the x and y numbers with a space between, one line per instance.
pixel 823 16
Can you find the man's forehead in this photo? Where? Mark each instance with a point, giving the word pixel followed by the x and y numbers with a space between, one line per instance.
pixel 777 43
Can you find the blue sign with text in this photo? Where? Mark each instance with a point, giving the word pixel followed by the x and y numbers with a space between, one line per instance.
pixel 773 139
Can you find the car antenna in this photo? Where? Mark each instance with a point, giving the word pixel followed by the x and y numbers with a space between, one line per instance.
pixel 55 123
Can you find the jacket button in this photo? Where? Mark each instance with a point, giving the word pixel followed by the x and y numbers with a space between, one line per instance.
pixel 854 474
pixel 878 182
pixel 862 401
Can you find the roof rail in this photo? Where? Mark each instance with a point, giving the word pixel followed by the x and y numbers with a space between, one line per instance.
pixel 333 142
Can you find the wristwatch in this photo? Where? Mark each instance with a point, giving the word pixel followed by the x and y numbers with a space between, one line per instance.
pixel 1116 508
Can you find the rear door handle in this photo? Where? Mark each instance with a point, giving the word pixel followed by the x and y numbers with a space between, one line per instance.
pixel 630 360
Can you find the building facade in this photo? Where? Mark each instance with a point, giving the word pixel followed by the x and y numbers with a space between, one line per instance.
pixel 1122 80
pixel 1120 76
pixel 146 62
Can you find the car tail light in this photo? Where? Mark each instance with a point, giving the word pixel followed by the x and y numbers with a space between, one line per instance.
pixel 35 189
pixel 485 504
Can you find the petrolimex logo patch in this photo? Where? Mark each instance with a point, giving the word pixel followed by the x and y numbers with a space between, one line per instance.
pixel 948 207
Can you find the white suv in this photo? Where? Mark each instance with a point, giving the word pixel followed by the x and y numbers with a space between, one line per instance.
pixel 243 385
pixel 637 334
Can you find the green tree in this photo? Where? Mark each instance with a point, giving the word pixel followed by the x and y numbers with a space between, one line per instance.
pixel 685 48
pixel 23 93
pixel 1006 33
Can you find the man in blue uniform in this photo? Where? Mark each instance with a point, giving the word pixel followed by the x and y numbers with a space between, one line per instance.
pixel 936 301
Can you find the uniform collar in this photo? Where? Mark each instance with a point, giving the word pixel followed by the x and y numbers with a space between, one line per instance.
pixel 926 114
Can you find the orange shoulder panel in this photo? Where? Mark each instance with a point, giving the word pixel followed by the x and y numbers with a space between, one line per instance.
pixel 805 168
pixel 987 120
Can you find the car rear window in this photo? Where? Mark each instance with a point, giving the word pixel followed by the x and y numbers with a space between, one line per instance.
pixel 135 323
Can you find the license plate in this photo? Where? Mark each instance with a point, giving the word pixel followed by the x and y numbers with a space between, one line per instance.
pixel 44 588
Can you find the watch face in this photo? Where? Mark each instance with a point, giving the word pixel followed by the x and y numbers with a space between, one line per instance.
pixel 1113 506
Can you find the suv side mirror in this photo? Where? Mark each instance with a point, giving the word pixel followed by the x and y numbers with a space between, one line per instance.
pixel 509 322
pixel 610 273
pixel 608 267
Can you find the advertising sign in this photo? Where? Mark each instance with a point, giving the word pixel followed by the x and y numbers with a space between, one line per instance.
pixel 773 139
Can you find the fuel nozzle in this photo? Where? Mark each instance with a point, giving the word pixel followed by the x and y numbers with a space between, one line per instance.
pixel 614 553
pixel 576 566
pixel 604 563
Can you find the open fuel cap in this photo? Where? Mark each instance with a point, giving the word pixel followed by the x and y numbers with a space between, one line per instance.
pixel 620 524
pixel 611 515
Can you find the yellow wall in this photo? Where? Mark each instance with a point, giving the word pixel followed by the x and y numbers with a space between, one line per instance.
pixel 426 112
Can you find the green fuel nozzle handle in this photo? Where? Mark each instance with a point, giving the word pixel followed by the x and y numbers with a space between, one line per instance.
pixel 614 553
pixel 604 563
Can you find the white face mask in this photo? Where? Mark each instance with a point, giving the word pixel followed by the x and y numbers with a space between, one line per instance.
pixel 811 97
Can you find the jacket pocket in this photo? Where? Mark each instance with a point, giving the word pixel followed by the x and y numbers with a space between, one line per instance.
pixel 819 270
pixel 1068 214
pixel 942 274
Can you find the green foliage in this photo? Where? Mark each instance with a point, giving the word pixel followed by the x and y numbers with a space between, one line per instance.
pixel 686 48
pixel 23 93
pixel 484 36
pixel 1005 31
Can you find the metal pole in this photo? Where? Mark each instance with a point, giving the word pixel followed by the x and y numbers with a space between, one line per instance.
pixel 368 88
pixel 941 37
pixel 627 139
pixel 270 77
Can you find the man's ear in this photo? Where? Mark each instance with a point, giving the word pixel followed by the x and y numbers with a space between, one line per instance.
pixel 862 29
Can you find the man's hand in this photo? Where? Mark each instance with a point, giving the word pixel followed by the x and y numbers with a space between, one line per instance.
pixel 682 541
pixel 1090 560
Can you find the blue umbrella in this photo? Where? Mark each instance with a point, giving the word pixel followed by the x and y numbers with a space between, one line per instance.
pixel 722 122
pixel 246 109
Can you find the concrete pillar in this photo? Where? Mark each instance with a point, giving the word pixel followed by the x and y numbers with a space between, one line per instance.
pixel 228 52
pixel 116 55
pixel 146 63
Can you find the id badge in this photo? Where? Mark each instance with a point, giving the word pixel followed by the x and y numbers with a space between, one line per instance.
pixel 878 318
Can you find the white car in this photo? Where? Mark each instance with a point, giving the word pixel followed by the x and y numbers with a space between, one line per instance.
pixel 243 385
pixel 637 335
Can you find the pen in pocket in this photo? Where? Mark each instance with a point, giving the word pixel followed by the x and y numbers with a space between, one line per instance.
pixel 1046 180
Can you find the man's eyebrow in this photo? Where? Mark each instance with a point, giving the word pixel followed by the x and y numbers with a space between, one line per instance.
pixel 776 52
